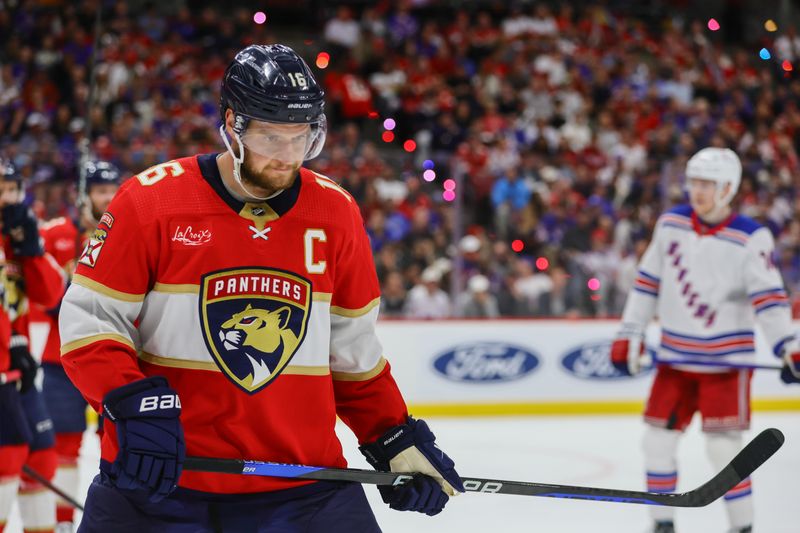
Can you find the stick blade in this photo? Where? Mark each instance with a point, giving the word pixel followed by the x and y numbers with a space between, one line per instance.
pixel 757 452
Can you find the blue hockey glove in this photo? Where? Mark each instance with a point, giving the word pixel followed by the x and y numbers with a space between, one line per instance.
pixel 21 226
pixel 791 363
pixel 411 447
pixel 22 360
pixel 150 436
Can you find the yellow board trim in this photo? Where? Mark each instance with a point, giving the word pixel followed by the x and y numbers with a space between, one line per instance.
pixel 95 286
pixel 86 341
pixel 622 407
pixel 360 376
pixel 355 313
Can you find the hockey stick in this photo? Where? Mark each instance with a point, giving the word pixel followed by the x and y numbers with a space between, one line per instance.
pixel 9 375
pixel 86 142
pixel 45 483
pixel 720 364
pixel 761 448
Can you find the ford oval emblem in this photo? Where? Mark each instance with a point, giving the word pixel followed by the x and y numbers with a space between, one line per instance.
pixel 593 361
pixel 481 362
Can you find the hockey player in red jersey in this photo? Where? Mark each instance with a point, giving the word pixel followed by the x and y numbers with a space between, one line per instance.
pixel 225 307
pixel 709 275
pixel 27 275
pixel 63 239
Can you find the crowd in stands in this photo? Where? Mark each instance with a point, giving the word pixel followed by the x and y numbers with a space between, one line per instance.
pixel 565 131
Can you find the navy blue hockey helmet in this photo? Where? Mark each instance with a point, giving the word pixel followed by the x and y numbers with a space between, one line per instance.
pixel 101 173
pixel 271 83
pixel 8 171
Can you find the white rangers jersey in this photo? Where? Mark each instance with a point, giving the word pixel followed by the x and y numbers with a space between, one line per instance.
pixel 709 286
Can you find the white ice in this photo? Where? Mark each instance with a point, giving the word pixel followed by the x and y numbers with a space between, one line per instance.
pixel 591 451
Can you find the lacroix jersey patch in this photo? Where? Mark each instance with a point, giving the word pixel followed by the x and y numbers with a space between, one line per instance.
pixel 254 320
pixel 191 234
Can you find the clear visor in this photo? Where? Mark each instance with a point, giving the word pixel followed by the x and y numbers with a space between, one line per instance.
pixel 285 142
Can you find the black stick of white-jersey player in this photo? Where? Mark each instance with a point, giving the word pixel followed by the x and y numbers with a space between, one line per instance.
pixel 761 448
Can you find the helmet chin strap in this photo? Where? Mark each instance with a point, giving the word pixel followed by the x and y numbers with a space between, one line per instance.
pixel 721 202
pixel 237 163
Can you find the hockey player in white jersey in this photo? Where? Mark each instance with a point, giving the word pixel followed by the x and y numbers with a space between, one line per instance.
pixel 709 276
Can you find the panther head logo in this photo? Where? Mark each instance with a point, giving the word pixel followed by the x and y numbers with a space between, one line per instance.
pixel 266 331
pixel 263 330
pixel 254 321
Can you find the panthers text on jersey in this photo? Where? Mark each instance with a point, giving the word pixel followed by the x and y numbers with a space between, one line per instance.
pixel 260 315
pixel 709 286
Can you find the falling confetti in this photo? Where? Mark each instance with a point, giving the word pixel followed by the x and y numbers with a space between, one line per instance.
pixel 449 184
pixel 542 263
pixel 429 175
pixel 409 145
pixel 593 284
pixel 770 25
pixel 449 196
pixel 387 136
pixel 786 65
pixel 389 124
pixel 764 54
pixel 713 25
pixel 517 245
pixel 427 164
pixel 260 17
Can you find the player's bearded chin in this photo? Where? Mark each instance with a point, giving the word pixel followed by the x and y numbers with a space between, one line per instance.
pixel 265 176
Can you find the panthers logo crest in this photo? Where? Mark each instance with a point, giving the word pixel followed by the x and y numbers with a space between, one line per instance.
pixel 254 320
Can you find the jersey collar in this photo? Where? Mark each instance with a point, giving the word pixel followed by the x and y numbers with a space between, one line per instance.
pixel 259 212
pixel 702 228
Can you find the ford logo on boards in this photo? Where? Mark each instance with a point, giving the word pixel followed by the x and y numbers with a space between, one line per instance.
pixel 593 361
pixel 485 362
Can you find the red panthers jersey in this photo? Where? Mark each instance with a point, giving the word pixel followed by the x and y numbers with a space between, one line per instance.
pixel 24 281
pixel 261 316
pixel 61 242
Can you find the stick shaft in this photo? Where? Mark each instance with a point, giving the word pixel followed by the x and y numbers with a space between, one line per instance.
pixel 720 364
pixel 761 448
pixel 46 483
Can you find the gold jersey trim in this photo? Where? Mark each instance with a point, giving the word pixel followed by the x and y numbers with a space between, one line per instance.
pixel 86 341
pixel 212 366
pixel 191 288
pixel 98 287
pixel 360 376
pixel 265 214
pixel 177 288
pixel 355 313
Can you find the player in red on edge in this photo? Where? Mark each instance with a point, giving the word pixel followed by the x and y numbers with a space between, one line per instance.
pixel 227 309
pixel 28 275
pixel 63 238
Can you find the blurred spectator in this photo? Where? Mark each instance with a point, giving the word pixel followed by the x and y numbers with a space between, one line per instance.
pixel 478 302
pixel 569 129
pixel 343 30
pixel 427 300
